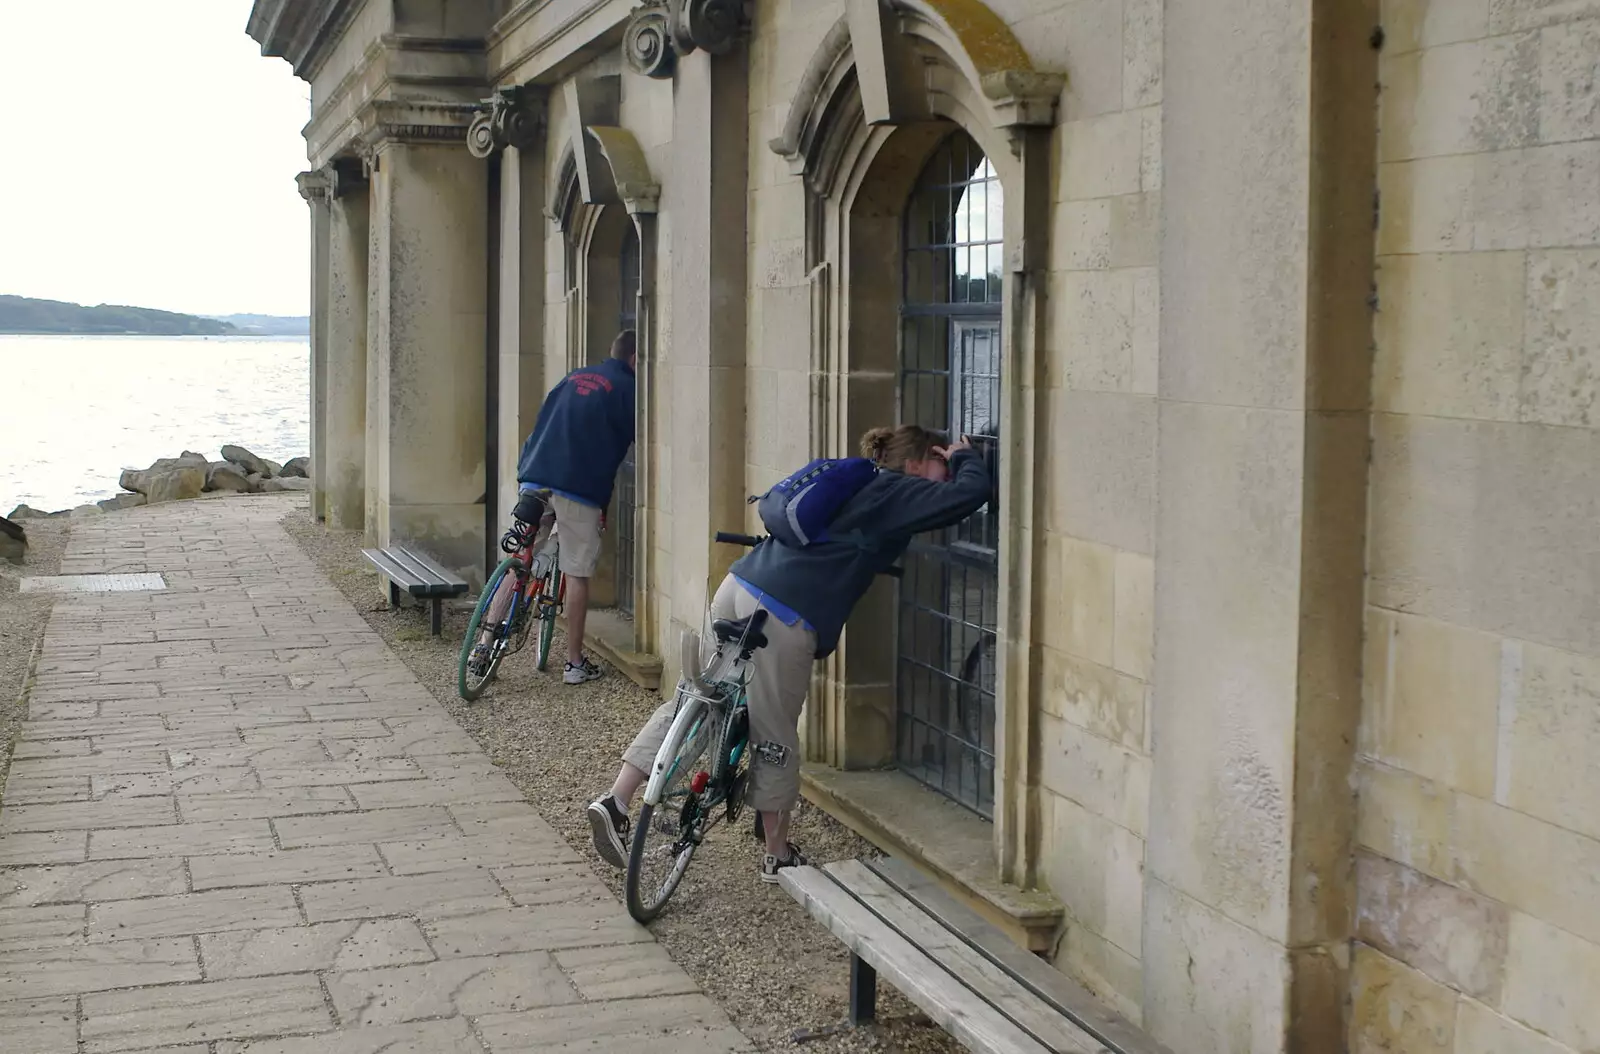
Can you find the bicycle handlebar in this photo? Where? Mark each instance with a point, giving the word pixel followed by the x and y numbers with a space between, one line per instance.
pixel 750 541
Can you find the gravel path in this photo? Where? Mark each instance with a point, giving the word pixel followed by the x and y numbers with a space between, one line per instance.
pixel 22 622
pixel 746 943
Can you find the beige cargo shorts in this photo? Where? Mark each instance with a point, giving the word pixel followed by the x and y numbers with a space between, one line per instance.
pixel 578 526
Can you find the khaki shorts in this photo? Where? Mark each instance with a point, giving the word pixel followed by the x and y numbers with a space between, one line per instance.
pixel 578 527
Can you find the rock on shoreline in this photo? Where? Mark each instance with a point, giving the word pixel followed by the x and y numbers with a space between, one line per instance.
pixel 188 476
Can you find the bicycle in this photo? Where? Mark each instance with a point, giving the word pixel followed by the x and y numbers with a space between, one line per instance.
pixel 712 714
pixel 526 587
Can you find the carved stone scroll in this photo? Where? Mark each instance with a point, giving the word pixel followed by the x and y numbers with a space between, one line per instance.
pixel 503 120
pixel 662 30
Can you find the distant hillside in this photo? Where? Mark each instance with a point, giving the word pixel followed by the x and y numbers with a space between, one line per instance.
pixel 20 314
pixel 268 325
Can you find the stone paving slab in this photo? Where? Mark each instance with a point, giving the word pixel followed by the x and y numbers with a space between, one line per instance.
pixel 236 824
pixel 449 1036
pixel 287 866
pixel 686 1024
pixel 326 947
pixel 44 1026
pixel 70 968
pixel 169 1014
pixel 92 883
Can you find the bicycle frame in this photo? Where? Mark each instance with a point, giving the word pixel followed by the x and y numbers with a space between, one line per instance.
pixel 531 545
pixel 721 698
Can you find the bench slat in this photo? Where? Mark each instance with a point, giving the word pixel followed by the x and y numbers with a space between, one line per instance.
pixel 433 577
pixel 386 566
pixel 427 563
pixel 415 572
pixel 1030 1013
pixel 419 571
pixel 954 1008
pixel 1036 975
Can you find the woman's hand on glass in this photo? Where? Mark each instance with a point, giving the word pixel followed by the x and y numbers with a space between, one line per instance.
pixel 948 452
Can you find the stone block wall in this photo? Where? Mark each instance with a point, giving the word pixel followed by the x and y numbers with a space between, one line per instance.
pixel 1096 574
pixel 1479 829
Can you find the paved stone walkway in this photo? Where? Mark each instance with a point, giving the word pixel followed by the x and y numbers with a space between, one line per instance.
pixel 236 823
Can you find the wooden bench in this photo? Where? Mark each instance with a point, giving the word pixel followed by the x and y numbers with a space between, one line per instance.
pixel 418 574
pixel 990 994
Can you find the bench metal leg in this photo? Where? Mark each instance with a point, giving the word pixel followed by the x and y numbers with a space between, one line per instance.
pixel 863 992
pixel 863 1005
pixel 394 596
pixel 436 617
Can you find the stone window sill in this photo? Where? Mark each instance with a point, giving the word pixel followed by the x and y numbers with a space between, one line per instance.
pixel 611 636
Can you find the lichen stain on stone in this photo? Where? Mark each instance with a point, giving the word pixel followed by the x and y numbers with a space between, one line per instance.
pixel 987 40
pixel 1507 108
pixel 1248 838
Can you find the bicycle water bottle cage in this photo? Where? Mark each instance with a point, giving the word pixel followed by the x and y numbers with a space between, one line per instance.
pixel 746 630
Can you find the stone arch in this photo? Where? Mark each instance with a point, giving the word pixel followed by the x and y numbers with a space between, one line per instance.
pixel 967 57
pixel 888 83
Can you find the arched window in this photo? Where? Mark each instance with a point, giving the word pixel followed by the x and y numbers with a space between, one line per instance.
pixel 950 350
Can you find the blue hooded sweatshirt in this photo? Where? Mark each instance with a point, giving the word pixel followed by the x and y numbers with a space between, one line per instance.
pixel 584 430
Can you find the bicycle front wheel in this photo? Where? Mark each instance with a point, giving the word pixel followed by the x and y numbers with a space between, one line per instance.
pixel 485 643
pixel 670 822
pixel 549 606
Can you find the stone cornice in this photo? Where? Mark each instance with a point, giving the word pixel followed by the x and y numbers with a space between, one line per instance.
pixel 385 121
pixel 319 186
pixel 573 27
pixel 513 19
pixel 316 186
pixel 300 31
pixel 395 66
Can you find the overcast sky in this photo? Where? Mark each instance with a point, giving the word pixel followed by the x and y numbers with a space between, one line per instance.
pixel 147 157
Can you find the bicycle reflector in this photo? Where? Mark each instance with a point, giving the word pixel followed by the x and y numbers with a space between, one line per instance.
pixel 699 782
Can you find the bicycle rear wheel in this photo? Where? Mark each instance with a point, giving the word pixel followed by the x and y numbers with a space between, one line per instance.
pixel 480 659
pixel 671 822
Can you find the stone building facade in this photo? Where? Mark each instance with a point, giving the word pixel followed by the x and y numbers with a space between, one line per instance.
pixel 1264 698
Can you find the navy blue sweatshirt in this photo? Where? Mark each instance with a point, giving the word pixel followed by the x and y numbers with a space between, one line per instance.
pixel 584 430
pixel 824 581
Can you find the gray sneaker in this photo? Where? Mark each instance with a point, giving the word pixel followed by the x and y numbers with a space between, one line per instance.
pixel 582 673
pixel 610 825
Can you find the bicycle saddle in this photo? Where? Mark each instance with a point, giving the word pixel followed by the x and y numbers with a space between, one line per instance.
pixel 729 631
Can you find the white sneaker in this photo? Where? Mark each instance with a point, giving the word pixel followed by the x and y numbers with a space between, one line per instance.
pixel 582 673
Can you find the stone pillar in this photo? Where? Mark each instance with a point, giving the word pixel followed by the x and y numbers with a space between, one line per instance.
pixel 522 249
pixel 425 332
pixel 705 202
pixel 1266 264
pixel 344 464
pixel 315 188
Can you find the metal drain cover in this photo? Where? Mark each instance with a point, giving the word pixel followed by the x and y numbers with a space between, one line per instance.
pixel 93 584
